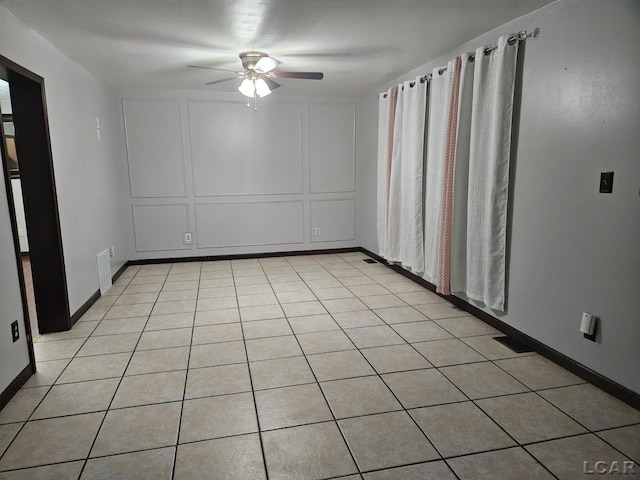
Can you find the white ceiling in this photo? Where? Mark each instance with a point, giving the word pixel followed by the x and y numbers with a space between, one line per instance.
pixel 358 44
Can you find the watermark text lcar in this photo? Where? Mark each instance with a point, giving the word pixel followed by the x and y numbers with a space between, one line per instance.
pixel 625 467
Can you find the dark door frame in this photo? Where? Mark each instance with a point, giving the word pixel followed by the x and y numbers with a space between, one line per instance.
pixel 33 148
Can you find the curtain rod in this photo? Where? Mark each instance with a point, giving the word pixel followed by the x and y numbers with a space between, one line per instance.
pixel 518 37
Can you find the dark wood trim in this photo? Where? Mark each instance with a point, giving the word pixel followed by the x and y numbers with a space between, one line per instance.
pixel 120 271
pixel 85 306
pixel 613 388
pixel 239 256
pixel 33 147
pixel 8 393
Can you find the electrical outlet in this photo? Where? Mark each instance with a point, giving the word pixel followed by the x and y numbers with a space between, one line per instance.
pixel 606 182
pixel 112 252
pixel 187 238
pixel 15 331
pixel 316 231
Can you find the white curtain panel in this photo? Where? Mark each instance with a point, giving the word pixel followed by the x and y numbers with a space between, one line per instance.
pixel 436 143
pixel 461 179
pixel 383 180
pixel 395 186
pixel 493 86
pixel 414 101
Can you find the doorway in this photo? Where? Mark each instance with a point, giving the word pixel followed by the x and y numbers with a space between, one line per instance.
pixel 30 140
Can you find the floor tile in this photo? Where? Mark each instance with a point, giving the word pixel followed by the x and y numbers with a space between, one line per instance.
pixel 460 429
pixel 273 347
pixel 492 349
pixel 386 440
pixel 421 331
pixel 421 388
pixel 146 279
pixel 420 297
pixel 53 440
pixel 80 330
pixel 120 326
pixel 358 318
pixel 448 352
pixel 332 293
pixel 480 380
pixel 466 326
pixel 187 285
pixel 403 314
pixel 94 313
pixel 217 317
pixel 57 350
pixel 216 282
pixel 438 310
pixel 537 372
pixel 143 288
pixel 322 342
pixel 257 299
pixel 209 381
pixel 138 428
pixel 291 406
pixel 181 306
pixel 592 407
pixel 296 296
pixel 283 277
pixel 368 290
pixel 343 305
pixel 162 360
pixel 136 298
pixel 59 471
pixel 382 301
pixel 338 365
pixel 130 311
pixel 566 457
pixel 147 465
pixel 437 470
pixel 395 358
pixel 359 396
pixel 47 373
pixel 169 321
pixel 219 303
pixel 625 439
pixel 261 313
pixel 506 464
pixel 214 354
pixel 103 345
pixel 312 323
pixel 22 405
pixel 219 459
pixel 300 309
pixel 366 337
pixel 266 328
pixel 74 398
pixel 227 332
pixel 150 388
pixel 280 372
pixel 216 292
pixel 298 286
pixel 356 280
pixel 95 368
pixel 307 452
pixel 251 280
pixel 215 417
pixel 178 295
pixel 7 434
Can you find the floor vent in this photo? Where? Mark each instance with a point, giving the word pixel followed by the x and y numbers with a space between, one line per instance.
pixel 369 260
pixel 513 345
pixel 104 270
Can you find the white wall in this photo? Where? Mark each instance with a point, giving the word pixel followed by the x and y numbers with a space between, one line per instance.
pixel 241 181
pixel 90 174
pixel 572 249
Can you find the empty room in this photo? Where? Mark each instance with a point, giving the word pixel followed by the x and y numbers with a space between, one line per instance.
pixel 323 239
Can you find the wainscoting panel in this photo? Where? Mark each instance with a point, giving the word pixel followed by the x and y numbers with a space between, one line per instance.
pixel 334 218
pixel 160 227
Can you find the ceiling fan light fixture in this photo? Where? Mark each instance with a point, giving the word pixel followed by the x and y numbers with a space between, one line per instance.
pixel 261 88
pixel 266 64
pixel 247 88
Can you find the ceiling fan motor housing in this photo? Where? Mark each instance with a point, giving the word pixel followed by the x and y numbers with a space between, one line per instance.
pixel 249 59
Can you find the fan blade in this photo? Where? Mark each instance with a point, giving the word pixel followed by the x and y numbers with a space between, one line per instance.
pixel 212 68
pixel 303 75
pixel 266 64
pixel 221 80
pixel 272 84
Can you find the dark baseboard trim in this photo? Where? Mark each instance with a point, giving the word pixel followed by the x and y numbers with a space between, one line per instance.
pixel 14 386
pixel 619 391
pixel 240 256
pixel 85 306
pixel 120 271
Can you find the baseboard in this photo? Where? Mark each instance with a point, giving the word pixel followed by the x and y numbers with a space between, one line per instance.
pixel 619 391
pixel 14 386
pixel 240 256
pixel 85 306
pixel 120 271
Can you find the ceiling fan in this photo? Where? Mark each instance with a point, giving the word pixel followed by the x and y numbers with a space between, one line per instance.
pixel 259 74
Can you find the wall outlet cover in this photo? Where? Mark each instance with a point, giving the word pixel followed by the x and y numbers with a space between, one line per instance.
pixel 606 182
pixel 15 331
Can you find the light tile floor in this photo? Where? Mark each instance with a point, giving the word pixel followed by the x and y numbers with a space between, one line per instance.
pixel 302 367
